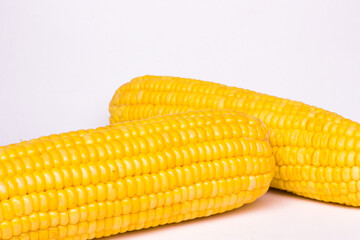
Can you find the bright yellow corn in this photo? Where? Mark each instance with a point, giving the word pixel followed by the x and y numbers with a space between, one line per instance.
pixel 317 152
pixel 132 175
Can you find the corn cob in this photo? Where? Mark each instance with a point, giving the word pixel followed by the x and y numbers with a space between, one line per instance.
pixel 317 152
pixel 132 175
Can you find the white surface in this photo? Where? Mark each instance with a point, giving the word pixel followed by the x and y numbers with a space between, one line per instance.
pixel 61 61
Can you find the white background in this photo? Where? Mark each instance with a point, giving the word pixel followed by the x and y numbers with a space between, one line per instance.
pixel 61 61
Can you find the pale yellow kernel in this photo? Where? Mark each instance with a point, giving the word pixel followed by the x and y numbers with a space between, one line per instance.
pixel 74 216
pixel 328 174
pixel 337 174
pixel 54 218
pixel 34 221
pixel 355 173
pixel 316 158
pixel 6 230
pixel 346 174
pixel 64 218
pixel 92 212
pixel 16 226
pixel 358 185
pixel 352 186
pixel 72 230
pixel 333 142
pixel 343 188
pixel 357 143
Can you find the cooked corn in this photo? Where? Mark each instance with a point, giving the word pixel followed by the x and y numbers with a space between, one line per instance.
pixel 132 175
pixel 317 152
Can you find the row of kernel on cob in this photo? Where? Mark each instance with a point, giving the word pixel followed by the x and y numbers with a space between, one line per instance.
pixel 171 155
